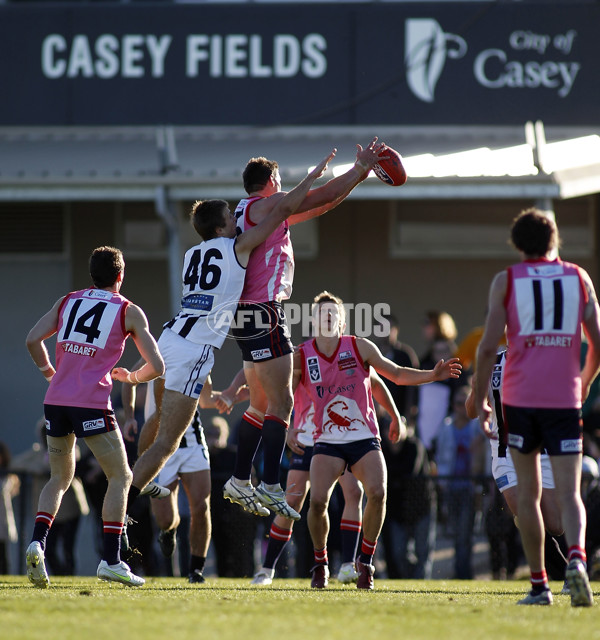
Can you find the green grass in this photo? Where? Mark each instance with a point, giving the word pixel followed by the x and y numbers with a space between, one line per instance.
pixel 83 608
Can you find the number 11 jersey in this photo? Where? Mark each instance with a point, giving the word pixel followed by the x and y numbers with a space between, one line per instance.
pixel 544 305
pixel 213 280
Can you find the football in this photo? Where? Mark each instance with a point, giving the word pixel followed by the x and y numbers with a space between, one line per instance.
pixel 391 170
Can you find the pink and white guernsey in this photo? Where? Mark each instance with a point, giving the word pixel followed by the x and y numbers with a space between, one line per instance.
pixel 340 388
pixel 270 270
pixel 544 304
pixel 304 416
pixel 90 340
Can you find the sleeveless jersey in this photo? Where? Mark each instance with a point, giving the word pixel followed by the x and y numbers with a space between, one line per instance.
pixel 212 284
pixel 304 416
pixel 90 340
pixel 340 388
pixel 544 310
pixel 271 266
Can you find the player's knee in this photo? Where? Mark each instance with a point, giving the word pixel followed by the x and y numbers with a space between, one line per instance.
pixel 200 507
pixel 165 447
pixel 377 495
pixel 61 481
pixel 127 477
pixel 282 404
pixel 318 506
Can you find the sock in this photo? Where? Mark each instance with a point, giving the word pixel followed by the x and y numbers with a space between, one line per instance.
pixel 197 564
pixel 112 541
pixel 367 551
pixel 43 522
pixel 350 532
pixel 577 553
pixel 249 435
pixel 274 432
pixel 321 556
pixel 539 581
pixel 278 539
pixel 134 492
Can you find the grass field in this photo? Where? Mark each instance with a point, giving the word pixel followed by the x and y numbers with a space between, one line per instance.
pixel 83 608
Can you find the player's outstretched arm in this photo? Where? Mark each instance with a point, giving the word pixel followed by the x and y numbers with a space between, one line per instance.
pixel 280 212
pixel 322 199
pixel 371 355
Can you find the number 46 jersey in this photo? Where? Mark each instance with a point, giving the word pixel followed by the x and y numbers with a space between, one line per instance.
pixel 545 300
pixel 90 339
pixel 213 280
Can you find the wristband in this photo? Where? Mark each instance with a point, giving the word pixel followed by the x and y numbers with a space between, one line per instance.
pixel 363 166
pixel 48 366
pixel 135 376
pixel 227 401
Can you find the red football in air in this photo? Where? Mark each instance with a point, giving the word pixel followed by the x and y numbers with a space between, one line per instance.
pixel 391 171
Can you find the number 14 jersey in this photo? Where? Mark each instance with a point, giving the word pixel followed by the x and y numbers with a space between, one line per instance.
pixel 90 339
pixel 545 300
pixel 213 280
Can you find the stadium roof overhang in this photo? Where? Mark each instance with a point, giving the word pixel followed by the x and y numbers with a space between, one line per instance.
pixel 134 163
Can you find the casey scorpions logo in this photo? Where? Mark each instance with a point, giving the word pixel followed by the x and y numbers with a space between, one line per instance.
pixel 339 417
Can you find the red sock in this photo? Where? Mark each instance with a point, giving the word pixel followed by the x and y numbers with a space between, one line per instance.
pixel 577 553
pixel 367 551
pixel 539 579
pixel 321 556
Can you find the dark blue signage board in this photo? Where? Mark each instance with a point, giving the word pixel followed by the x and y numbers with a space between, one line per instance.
pixel 311 64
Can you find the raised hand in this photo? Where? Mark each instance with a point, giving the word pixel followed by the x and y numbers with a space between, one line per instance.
pixel 445 369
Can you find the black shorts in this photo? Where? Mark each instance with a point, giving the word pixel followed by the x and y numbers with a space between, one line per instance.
pixel 559 431
pixel 351 452
pixel 62 421
pixel 261 331
pixel 301 462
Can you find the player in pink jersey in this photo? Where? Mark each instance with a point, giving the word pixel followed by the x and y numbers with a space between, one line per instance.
pixel 335 371
pixel 260 328
pixel 301 440
pixel 213 278
pixel 92 326
pixel 544 303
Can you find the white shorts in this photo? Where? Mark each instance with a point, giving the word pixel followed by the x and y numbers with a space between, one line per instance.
pixel 503 470
pixel 187 364
pixel 184 460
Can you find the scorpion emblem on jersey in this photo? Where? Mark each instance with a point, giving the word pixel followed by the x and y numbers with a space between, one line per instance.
pixel 337 419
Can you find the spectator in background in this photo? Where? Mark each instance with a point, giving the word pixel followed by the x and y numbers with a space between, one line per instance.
pixel 455 462
pixel 435 400
pixel 467 348
pixel 9 488
pixel 405 397
pixel 411 508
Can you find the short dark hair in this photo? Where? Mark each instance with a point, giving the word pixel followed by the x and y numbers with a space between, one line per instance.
pixel 106 263
pixel 257 173
pixel 207 216
pixel 534 232
pixel 326 296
